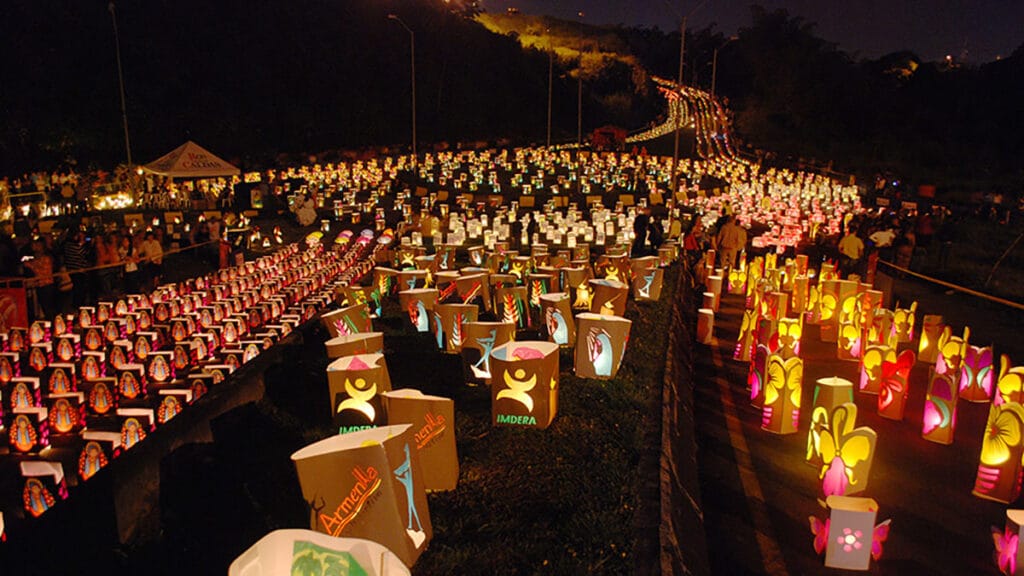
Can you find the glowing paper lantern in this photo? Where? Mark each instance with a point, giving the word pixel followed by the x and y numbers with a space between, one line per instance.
pixel 738 279
pixel 782 391
pixel 601 345
pixel 880 329
pixel 903 324
pixel 757 375
pixel 895 384
pixel 829 393
pixel 647 284
pixel 347 321
pixel 999 471
pixel 368 484
pixel 714 284
pixel 448 322
pixel 977 375
pixel 928 348
pixel 478 340
pixel 849 538
pixel 418 304
pixel 1008 542
pixel 785 340
pixel 871 367
pixel 355 384
pixel 799 298
pixel 512 305
pixel 362 343
pixel 524 388
pixel 556 312
pixel 838 301
pixel 1010 386
pixel 474 289
pixel 705 325
pixel 939 420
pixel 305 551
pixel 609 297
pixel 44 483
pixel 846 453
pixel 747 337
pixel 433 423
pixel 709 301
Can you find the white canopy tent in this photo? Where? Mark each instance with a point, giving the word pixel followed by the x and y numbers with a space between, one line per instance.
pixel 190 160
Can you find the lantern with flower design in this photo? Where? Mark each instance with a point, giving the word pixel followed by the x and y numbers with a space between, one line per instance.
pixel 939 419
pixel 999 471
pixel 894 385
pixel 977 376
pixel 782 392
pixel 846 453
pixel 932 326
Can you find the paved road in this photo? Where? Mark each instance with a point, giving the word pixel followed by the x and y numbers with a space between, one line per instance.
pixel 758 492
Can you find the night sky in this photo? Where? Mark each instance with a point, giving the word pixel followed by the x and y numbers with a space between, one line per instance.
pixel 981 30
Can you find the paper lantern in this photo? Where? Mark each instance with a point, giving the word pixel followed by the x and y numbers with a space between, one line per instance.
pixel 871 367
pixel 44 483
pixel 308 552
pixel 999 470
pixel 829 393
pixel 705 325
pixel 368 484
pixel 350 345
pixel 474 289
pixel 928 348
pixel 782 391
pixel 478 340
pixel 647 284
pixel 714 284
pixel 757 375
pixel 903 324
pixel 737 279
pixel 512 305
pixel 448 322
pixel 418 304
pixel 412 279
pixel 601 345
pixel 575 281
pixel 838 302
pixel 1008 542
pixel 785 340
pixel 352 319
pixel 747 337
pixel 880 329
pixel 894 385
pixel 846 453
pixel 609 297
pixel 556 310
pixel 1010 386
pixel 951 352
pixel 813 307
pixel 355 384
pixel 798 299
pixel 433 424
pixel 849 538
pixel 614 268
pixel 709 301
pixel 524 386
pixel 939 420
pixel 977 375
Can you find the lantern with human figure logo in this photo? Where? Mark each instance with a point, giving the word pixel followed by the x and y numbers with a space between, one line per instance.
pixel 368 484
pixel 355 384
pixel 524 388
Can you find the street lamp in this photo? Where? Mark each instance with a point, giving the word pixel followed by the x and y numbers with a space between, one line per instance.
pixel 412 66
pixel 714 64
pixel 679 81
pixel 120 79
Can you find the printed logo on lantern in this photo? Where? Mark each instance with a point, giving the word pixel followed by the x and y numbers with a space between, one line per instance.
pixel 367 483
pixel 433 428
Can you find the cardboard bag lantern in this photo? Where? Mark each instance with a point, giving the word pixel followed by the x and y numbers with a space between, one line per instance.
pixel 355 384
pixel 1010 386
pixel 999 470
pixel 747 337
pixel 928 348
pixel 556 312
pixel 307 552
pixel 524 386
pixel 601 345
pixel 512 305
pixel 574 281
pixel 757 375
pixel 737 280
pixel 903 323
pixel 939 419
pixel 418 303
pixel 647 284
pixel 353 319
pixel 829 393
pixel 951 352
pixel 849 537
pixel 977 375
pixel 449 320
pixel 368 484
pixel 478 340
pixel 609 297
pixel 350 345
pixel 871 367
pixel 474 289
pixel 433 424
pixel 895 385
pixel 782 391
pixel 846 453
pixel 705 325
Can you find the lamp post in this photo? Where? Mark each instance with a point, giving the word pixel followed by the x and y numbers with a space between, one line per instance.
pixel 551 77
pixel 679 81
pixel 120 80
pixel 412 66
pixel 579 91
pixel 714 64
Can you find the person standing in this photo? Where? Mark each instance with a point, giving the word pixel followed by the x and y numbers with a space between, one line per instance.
pixel 730 240
pixel 152 253
pixel 41 283
pixel 851 248
pixel 76 257
pixel 641 227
